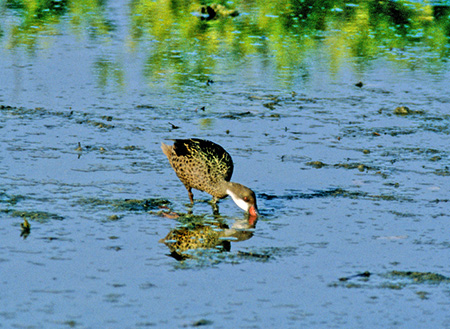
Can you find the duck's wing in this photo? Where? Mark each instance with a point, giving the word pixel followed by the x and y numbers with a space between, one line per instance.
pixel 212 155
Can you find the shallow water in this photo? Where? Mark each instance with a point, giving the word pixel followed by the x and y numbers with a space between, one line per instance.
pixel 345 184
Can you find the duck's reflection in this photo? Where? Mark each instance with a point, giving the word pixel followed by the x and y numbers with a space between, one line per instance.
pixel 184 240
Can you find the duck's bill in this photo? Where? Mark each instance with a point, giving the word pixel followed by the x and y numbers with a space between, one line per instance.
pixel 253 211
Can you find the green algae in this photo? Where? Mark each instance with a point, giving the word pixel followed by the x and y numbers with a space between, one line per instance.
pixel 419 277
pixel 393 280
pixel 126 204
pixel 140 205
pixel 359 166
pixel 316 164
pixel 37 216
pixel 442 172
pixel 337 192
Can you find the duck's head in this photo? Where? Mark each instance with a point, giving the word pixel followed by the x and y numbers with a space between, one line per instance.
pixel 244 198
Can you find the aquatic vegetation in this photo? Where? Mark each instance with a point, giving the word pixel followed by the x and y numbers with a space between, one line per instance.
pixel 37 216
pixel 126 204
pixel 404 110
pixel 393 280
pixel 359 166
pixel 419 277
pixel 338 192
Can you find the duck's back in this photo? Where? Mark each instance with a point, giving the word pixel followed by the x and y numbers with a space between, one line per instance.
pixel 200 164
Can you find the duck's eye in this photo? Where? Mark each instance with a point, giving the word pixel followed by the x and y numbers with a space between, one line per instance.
pixel 246 198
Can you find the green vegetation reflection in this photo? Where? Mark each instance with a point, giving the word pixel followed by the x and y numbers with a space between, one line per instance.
pixel 42 18
pixel 188 41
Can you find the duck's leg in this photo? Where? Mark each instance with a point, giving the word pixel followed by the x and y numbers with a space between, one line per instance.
pixel 215 206
pixel 191 195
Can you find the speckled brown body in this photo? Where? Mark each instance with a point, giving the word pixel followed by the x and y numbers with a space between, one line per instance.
pixel 201 164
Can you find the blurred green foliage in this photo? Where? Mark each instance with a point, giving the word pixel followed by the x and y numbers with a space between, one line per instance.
pixel 191 37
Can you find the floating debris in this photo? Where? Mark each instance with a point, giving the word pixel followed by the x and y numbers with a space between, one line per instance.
pixel 202 322
pixel 316 164
pixel 107 117
pixel 270 105
pixel 25 228
pixel 435 158
pixel 365 274
pixel 238 115
pixel 173 126
pixel 402 110
pixel 79 148
pixel 145 106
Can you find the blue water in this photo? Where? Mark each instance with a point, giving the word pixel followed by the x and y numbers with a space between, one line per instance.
pixel 80 267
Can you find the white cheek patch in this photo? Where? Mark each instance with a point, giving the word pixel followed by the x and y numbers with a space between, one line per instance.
pixel 240 203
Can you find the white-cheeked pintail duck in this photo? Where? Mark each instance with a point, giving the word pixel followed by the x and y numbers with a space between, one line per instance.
pixel 206 166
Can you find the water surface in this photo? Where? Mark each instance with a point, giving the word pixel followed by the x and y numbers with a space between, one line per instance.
pixel 337 117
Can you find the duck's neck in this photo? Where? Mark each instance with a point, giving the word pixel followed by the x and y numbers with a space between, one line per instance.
pixel 224 186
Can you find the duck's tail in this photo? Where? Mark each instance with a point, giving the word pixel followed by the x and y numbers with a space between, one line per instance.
pixel 167 150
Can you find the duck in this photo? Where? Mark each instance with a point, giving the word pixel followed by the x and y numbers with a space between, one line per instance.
pixel 206 166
